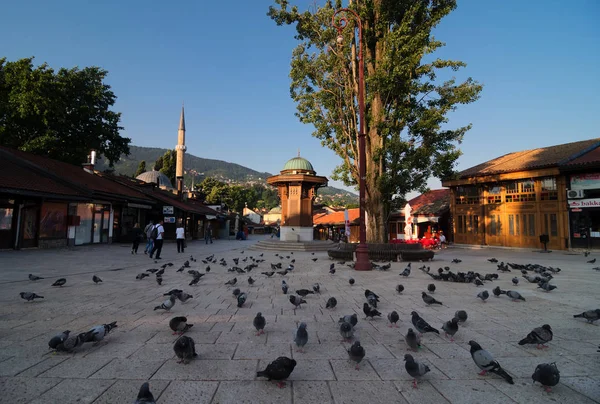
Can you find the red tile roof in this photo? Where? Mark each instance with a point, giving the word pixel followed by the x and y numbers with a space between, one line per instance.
pixel 434 202
pixel 336 218
pixel 544 157
pixel 589 158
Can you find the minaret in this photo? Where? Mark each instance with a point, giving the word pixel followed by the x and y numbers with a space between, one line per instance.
pixel 180 148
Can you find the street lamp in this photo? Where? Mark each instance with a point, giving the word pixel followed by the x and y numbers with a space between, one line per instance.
pixel 362 250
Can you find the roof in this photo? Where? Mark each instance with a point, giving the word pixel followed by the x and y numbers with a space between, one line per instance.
pixel 298 163
pixel 336 218
pixel 154 176
pixel 432 203
pixel 544 157
pixel 588 159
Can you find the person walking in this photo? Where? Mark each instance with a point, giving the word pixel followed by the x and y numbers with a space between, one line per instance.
pixel 149 241
pixel 158 241
pixel 180 234
pixel 208 234
pixel 137 237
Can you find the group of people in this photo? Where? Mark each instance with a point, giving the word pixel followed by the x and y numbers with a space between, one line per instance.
pixel 154 234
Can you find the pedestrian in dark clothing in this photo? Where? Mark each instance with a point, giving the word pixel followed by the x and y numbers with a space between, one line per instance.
pixel 208 234
pixel 158 242
pixel 137 237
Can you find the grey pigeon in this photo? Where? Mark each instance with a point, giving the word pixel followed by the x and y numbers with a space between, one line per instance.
pixel 60 282
pixel 415 369
pixel 259 323
pixel 399 288
pixel 393 318
pixel 304 292
pixel 301 337
pixel 431 288
pixel 183 297
pixel 296 300
pixel 241 299
pixel 30 296
pixel 34 277
pixel 356 353
pixel 429 300
pixel 421 325
pixel 144 396
pixel 546 286
pixel 483 295
pixel 353 319
pixel 412 340
pixel 231 282
pixel 96 279
pixel 538 336
pixel 71 343
pixel 141 276
pixel 250 281
pixel 58 339
pixel 451 328
pixel 284 287
pixel 167 304
pixel 515 281
pixel 590 315
pixel 185 349
pixel 179 325
pixel 486 362
pixel 497 291
pixel 346 330
pixel 515 296
pixel 370 312
pixel 280 369
pixel 331 303
pixel 461 315
pixel 406 271
pixel 97 333
pixel 547 374
pixel 316 288
pixel 159 279
pixel 236 292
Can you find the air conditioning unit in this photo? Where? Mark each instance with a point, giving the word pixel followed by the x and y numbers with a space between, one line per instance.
pixel 575 194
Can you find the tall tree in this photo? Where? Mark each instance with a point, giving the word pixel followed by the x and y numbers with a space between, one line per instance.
pixel 169 165
pixel 62 114
pixel 141 168
pixel 158 164
pixel 407 136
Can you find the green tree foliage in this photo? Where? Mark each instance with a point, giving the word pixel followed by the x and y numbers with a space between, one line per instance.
pixel 60 114
pixel 158 164
pixel 237 196
pixel 169 165
pixel 408 138
pixel 141 168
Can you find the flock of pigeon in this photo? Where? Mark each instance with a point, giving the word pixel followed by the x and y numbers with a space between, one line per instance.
pixel 547 374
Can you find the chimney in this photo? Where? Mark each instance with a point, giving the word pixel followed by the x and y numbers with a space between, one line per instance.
pixel 91 162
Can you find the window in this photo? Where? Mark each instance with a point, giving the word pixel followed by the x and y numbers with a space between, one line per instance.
pixel 531 225
pixel 475 224
pixel 6 215
pixel 553 225
pixel 53 220
pixel 492 225
pixel 467 195
pixel 525 227
pixel 546 224
pixel 520 191
pixel 511 225
pixel 494 195
pixel 549 191
pixel 470 228
pixel 459 229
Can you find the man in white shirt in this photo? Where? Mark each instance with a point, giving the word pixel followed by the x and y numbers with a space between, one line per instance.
pixel 158 243
pixel 180 234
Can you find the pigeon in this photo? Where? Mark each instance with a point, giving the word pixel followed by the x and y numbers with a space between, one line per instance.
pixel 483 295
pixel 301 337
pixel 356 353
pixel 185 349
pixel 592 261
pixel 250 281
pixel 399 288
pixel 167 304
pixel 195 280
pixel 547 374
pixel 539 336
pixel 231 282
pixel 346 330
pixel 241 299
pixel 478 282
pixel 353 320
pixel 415 369
pixel 152 270
pixel 280 369
pixel 316 288
pixel 351 281
pixel 304 292
pixel 331 303
pixel 586 253
pixel 497 291
pixel 259 323
pixel 590 315
pixel 269 274
pixel 461 315
pixel 30 296
pixel 406 271
pixel 456 261
pixel 332 270
pixel 393 318
pixel 141 276
pixel 515 281
pixel 282 273
pixel 431 288
pixel 515 296
pixel 314 259
pixel 183 297
pixel 144 396
pixel 96 279
pixel 58 339
pixel 493 260
pixel 284 287
pixel 369 312
pixel 161 272
pixel 236 292
pixel 546 286
pixel 181 269
pixel 207 269
pixel 429 300
pixel 450 328
pixel 159 280
pixel 421 325
pixel 485 361
pixel 60 282
pixel 412 340
pixel 179 325
pixel 34 277
pixel 186 264
pixel 371 297
pixel 296 300
pixel 97 333
pixel 72 342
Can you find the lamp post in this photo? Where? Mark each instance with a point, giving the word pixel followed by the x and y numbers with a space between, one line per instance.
pixel 362 251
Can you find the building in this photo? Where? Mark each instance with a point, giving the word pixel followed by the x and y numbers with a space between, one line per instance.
pixel 331 225
pixel 251 215
pixel 430 213
pixel 273 217
pixel 514 199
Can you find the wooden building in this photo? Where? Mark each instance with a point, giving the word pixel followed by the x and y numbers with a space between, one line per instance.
pixel 511 200
pixel 430 212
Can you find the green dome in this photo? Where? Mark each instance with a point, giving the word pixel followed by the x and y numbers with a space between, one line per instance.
pixel 298 163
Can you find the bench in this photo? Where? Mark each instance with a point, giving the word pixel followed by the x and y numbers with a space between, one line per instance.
pixel 417 255
pixel 382 252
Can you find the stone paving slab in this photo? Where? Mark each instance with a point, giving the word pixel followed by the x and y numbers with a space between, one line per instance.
pixel 76 391
pixel 23 390
pixel 121 389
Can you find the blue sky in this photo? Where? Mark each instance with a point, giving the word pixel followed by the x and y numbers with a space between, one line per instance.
pixel 229 62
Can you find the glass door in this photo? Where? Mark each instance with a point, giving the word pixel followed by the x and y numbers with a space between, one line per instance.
pixel 97 227
pixel 105 223
pixel 30 227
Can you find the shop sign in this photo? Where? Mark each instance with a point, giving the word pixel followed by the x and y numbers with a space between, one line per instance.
pixel 168 210
pixel 585 181
pixel 170 219
pixel 576 210
pixel 584 203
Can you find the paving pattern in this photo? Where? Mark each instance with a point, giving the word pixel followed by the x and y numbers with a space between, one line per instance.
pixel 141 348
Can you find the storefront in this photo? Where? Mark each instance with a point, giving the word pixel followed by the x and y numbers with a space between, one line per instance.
pixel 584 210
pixel 94 223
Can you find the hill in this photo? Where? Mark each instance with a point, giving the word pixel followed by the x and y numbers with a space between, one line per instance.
pixel 221 170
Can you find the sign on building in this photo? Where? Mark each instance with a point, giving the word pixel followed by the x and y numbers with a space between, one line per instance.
pixel 169 219
pixel 168 210
pixel 584 203
pixel 585 181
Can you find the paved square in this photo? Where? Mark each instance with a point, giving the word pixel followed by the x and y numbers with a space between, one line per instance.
pixel 229 352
